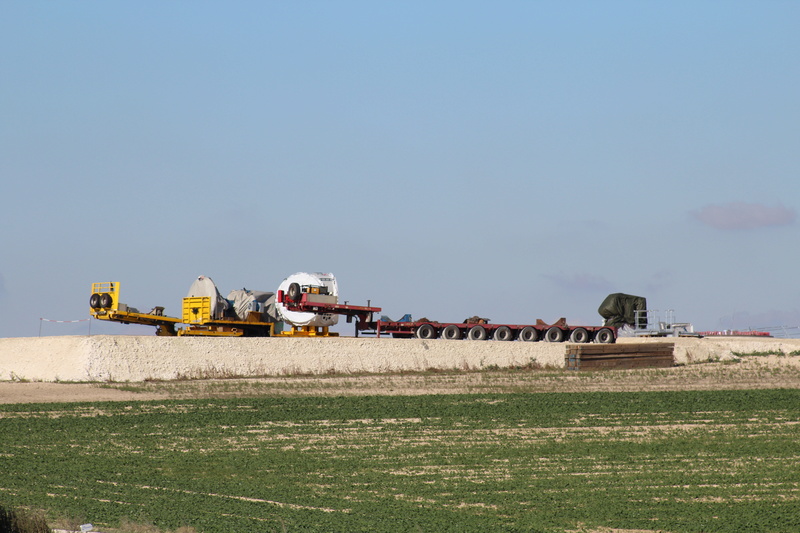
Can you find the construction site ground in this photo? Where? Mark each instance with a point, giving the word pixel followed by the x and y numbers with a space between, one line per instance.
pixel 448 367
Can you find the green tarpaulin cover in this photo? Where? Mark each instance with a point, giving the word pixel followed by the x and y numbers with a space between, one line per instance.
pixel 618 309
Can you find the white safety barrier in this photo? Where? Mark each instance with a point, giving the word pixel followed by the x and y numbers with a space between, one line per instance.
pixel 42 320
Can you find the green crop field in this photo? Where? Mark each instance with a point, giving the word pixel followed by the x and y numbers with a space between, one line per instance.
pixel 656 461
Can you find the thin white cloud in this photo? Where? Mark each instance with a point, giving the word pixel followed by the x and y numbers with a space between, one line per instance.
pixel 581 282
pixel 743 216
pixel 663 279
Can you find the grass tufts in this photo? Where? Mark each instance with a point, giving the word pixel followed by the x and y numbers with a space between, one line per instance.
pixel 128 526
pixel 766 353
pixel 20 521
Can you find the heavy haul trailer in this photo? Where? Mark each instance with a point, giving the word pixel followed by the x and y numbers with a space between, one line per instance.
pixel 310 306
pixel 314 307
pixel 560 331
pixel 295 298
pixel 104 304
pixel 198 317
pixel 243 313
pixel 316 300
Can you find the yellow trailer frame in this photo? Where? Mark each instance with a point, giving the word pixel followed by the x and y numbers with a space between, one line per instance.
pixel 308 331
pixel 197 314
pixel 104 304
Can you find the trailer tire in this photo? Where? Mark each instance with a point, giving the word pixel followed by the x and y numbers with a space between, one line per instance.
pixel 106 300
pixel 477 333
pixel 425 332
pixel 293 293
pixel 451 333
pixel 579 335
pixel 604 336
pixel 94 301
pixel 528 334
pixel 503 333
pixel 554 334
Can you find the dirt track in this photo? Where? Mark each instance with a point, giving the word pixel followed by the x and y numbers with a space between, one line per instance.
pixel 753 372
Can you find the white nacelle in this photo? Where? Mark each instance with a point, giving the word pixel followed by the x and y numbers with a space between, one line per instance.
pixel 302 318
pixel 204 286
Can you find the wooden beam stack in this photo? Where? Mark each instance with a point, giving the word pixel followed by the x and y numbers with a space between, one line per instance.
pixel 619 356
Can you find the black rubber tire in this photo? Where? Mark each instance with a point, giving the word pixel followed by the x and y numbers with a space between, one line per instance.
pixel 554 334
pixel 579 335
pixel 604 336
pixel 106 300
pixel 293 293
pixel 426 332
pixel 528 334
pixel 94 301
pixel 503 333
pixel 451 333
pixel 477 333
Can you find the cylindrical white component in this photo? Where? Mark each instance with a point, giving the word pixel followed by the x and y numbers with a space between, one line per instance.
pixel 308 280
pixel 204 286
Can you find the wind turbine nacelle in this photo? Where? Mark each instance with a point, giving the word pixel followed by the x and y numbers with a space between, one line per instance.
pixel 317 285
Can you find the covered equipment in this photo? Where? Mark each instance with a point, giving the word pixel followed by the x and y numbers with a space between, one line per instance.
pixel 619 309
pixel 245 301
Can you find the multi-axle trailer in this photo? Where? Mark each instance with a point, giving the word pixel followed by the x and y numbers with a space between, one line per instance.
pixel 557 332
pixel 309 308
pixel 477 330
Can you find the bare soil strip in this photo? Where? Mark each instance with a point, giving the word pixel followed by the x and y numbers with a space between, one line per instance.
pixel 752 372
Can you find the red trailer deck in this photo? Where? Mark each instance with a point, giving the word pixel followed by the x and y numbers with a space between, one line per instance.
pixel 477 330
pixel 559 331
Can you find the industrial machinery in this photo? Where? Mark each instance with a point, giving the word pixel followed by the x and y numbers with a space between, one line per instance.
pixel 630 314
pixel 313 287
pixel 105 304
pixel 309 304
pixel 650 323
pixel 619 309
pixel 204 311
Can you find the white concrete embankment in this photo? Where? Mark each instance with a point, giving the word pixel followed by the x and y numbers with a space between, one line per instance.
pixel 135 358
pixel 693 350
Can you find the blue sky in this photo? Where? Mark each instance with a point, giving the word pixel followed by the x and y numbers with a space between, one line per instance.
pixel 514 160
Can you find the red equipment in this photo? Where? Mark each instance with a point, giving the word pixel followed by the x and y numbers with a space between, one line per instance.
pixel 560 331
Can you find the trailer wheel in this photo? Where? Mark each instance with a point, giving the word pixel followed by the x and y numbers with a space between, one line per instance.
pixel 554 334
pixel 451 333
pixel 503 333
pixel 106 300
pixel 579 335
pixel 477 333
pixel 94 301
pixel 604 336
pixel 528 334
pixel 293 292
pixel 426 331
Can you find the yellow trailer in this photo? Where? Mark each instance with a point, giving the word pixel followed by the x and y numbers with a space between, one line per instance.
pixel 104 304
pixel 197 319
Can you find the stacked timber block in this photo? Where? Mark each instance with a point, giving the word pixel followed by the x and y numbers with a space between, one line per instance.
pixel 619 356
